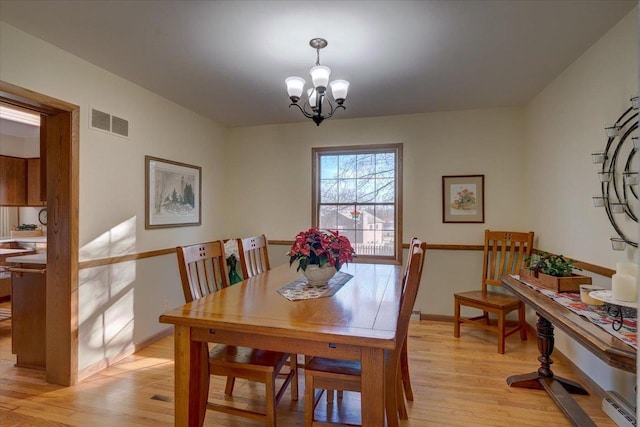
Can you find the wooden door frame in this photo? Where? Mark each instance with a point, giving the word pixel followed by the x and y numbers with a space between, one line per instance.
pixel 62 129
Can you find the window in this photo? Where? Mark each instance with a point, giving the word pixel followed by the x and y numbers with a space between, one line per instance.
pixel 358 191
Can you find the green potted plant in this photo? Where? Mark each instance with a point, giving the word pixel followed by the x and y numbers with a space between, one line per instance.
pixel 554 272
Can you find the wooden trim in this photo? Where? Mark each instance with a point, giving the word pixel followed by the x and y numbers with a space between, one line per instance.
pixel 281 242
pixel 128 351
pixel 452 247
pixel 436 317
pixel 34 101
pixel 62 120
pixel 406 246
pixel 124 258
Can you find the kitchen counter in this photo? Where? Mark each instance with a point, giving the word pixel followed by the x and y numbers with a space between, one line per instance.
pixel 16 252
pixel 39 239
pixel 40 259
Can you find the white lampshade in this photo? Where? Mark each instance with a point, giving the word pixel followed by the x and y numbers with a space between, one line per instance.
pixel 295 85
pixel 311 94
pixel 339 89
pixel 320 75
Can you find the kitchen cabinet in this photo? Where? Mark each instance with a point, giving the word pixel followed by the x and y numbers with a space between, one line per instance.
pixel 13 181
pixel 34 189
pixel 21 182
pixel 28 313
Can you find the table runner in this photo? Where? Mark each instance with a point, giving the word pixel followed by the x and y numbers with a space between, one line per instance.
pixel 597 315
pixel 300 289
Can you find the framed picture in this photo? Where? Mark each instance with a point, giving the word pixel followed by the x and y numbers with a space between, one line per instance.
pixel 172 193
pixel 463 198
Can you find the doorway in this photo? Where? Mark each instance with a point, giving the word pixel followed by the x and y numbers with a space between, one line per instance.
pixel 59 149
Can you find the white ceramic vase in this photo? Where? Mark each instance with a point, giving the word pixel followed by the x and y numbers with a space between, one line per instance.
pixel 319 276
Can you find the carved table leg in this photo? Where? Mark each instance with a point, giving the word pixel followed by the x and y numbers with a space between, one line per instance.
pixel 545 346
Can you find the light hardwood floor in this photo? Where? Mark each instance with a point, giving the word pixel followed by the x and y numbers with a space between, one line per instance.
pixel 457 382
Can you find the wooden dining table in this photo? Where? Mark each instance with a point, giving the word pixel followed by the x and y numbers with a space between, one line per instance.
pixel 357 323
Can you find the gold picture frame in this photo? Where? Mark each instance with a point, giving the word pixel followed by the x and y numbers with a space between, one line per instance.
pixel 463 199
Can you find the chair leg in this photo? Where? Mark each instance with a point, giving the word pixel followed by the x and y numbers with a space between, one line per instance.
pixel 402 409
pixel 270 401
pixel 456 319
pixel 404 368
pixel 391 395
pixel 523 322
pixel 293 365
pixel 501 325
pixel 485 314
pixel 228 389
pixel 330 396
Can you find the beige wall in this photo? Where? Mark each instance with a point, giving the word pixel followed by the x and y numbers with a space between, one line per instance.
pixel 565 123
pixel 258 179
pixel 275 163
pixel 119 305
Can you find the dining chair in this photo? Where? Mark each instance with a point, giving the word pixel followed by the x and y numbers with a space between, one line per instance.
pixel 325 373
pixel 504 253
pixel 254 255
pixel 202 273
pixel 404 356
pixel 254 260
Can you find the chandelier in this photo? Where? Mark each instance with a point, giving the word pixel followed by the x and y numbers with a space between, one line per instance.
pixel 312 107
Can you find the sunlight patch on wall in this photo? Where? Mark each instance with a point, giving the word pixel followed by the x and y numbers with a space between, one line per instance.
pixel 119 240
pixel 106 311
pixel 106 297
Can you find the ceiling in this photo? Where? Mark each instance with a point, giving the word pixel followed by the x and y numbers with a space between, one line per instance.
pixel 227 60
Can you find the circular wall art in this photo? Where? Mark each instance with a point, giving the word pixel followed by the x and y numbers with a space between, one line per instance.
pixel 618 177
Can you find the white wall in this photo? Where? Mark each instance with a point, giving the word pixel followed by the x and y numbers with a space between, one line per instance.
pixel 565 123
pixel 119 305
pixel 275 162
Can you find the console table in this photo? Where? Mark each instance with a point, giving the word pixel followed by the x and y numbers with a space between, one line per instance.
pixel 605 346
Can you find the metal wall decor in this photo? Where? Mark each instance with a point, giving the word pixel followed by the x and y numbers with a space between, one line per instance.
pixel 618 176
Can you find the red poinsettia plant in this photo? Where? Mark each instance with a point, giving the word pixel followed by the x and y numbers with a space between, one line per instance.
pixel 320 247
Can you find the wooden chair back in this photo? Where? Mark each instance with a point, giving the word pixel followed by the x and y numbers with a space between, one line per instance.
pixel 504 253
pixel 410 286
pixel 414 242
pixel 202 269
pixel 254 255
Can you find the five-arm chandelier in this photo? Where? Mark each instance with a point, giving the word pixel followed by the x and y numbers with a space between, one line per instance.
pixel 317 94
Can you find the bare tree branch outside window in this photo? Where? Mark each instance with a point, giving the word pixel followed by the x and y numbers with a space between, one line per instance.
pixel 358 198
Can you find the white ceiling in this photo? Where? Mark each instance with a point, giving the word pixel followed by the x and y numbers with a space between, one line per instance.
pixel 228 59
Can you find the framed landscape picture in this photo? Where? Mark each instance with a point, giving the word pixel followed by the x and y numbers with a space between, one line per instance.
pixel 172 193
pixel 463 198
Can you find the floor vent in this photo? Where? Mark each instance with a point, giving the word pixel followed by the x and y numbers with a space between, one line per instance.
pixel 106 122
pixel 619 410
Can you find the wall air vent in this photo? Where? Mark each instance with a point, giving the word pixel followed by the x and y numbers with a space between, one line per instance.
pixel 619 410
pixel 99 120
pixel 119 126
